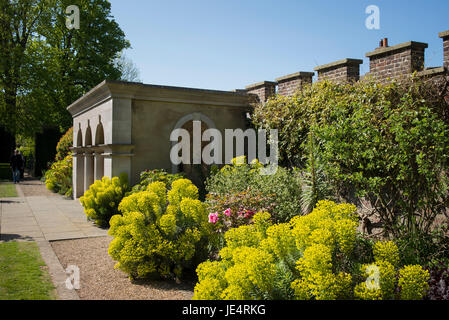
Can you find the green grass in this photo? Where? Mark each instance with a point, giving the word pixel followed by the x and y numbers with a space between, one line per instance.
pixel 7 190
pixel 22 273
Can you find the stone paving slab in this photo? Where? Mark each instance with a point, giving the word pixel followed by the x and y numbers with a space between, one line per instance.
pixel 50 217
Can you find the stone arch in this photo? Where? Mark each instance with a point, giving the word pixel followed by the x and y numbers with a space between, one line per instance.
pixel 99 135
pixel 196 173
pixel 88 136
pixel 79 137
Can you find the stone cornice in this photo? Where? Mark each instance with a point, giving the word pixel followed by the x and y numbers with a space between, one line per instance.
pixel 401 46
pixel 108 89
pixel 297 75
pixel 444 34
pixel 339 63
pixel 260 85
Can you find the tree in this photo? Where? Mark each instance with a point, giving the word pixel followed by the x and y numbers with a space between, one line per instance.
pixel 128 69
pixel 18 23
pixel 47 66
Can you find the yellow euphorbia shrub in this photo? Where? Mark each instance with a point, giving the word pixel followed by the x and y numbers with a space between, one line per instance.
pixel 160 233
pixel 301 250
pixel 311 257
pixel 102 199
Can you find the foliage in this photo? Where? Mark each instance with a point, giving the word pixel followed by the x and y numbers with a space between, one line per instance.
pixel 439 282
pixel 149 176
pixel 386 143
pixel 45 66
pixel 234 210
pixel 413 282
pixel 161 233
pixel 280 193
pixel 59 177
pixel 311 257
pixel 64 145
pixel 102 200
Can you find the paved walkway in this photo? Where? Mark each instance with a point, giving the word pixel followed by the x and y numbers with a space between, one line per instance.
pixel 48 218
pixel 42 219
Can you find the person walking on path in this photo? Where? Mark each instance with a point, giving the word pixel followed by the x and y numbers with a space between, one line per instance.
pixel 16 164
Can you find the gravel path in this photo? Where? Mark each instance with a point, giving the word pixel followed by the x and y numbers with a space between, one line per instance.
pixel 99 280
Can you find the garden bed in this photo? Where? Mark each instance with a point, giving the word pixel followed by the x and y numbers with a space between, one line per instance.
pixel 100 281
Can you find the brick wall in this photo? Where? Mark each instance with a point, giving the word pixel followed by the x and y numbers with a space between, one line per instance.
pixel 289 84
pixel 396 61
pixel 385 63
pixel 264 90
pixel 340 71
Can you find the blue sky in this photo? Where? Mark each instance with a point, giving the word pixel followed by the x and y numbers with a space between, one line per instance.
pixel 229 44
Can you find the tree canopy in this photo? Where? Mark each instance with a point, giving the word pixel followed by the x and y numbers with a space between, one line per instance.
pixel 45 66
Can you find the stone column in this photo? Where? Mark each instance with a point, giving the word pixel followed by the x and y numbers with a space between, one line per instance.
pixel 98 165
pixel 78 175
pixel 117 160
pixel 88 170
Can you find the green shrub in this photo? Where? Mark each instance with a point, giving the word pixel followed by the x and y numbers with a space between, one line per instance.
pixel 102 199
pixel 64 145
pixel 149 176
pixel 59 177
pixel 386 143
pixel 161 234
pixel 280 193
pixel 5 171
pixel 312 257
pixel 413 282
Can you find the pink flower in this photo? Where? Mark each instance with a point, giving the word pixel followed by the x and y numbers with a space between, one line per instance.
pixel 213 218
pixel 249 214
pixel 227 212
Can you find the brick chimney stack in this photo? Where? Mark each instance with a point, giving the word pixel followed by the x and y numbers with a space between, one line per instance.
pixel 287 85
pixel 264 90
pixel 445 36
pixel 340 71
pixel 396 61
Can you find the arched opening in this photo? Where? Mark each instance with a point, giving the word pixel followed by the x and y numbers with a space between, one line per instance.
pixel 197 173
pixel 79 138
pixel 99 135
pixel 88 141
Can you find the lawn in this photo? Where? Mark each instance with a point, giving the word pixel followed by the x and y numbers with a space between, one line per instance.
pixel 22 273
pixel 7 190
